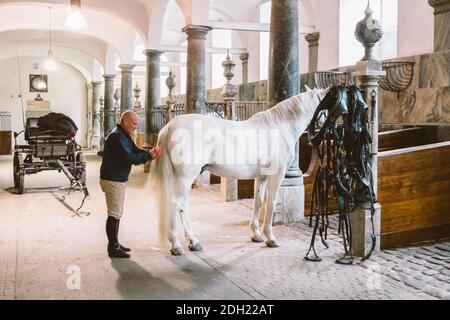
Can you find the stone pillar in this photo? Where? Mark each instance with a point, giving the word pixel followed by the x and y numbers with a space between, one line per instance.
pixel 368 73
pixel 109 118
pixel 244 58
pixel 196 68
pixel 89 115
pixel 96 93
pixel 313 44
pixel 126 87
pixel 441 24
pixel 283 84
pixel 152 95
pixel 229 186
pixel 244 88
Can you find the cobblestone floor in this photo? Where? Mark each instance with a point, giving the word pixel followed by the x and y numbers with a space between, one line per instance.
pixel 424 266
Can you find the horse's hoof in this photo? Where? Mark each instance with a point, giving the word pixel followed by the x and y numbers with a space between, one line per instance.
pixel 272 244
pixel 177 251
pixel 196 247
pixel 256 238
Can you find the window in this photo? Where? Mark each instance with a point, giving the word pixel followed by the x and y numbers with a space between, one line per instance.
pixel 264 41
pixel 220 39
pixel 352 11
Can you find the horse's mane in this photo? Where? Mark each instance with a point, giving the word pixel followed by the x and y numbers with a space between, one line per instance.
pixel 293 108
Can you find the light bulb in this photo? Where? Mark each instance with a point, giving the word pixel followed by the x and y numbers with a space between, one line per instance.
pixel 75 19
pixel 50 64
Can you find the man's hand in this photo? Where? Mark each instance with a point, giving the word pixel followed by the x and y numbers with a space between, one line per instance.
pixel 154 153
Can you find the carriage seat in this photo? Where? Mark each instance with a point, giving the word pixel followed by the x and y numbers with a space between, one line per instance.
pixel 34 133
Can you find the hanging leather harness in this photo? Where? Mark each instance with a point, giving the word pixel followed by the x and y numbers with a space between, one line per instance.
pixel 340 132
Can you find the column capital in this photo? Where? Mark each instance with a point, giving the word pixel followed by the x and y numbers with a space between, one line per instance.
pixel 244 57
pixel 313 39
pixel 369 68
pixel 440 6
pixel 127 67
pixel 109 76
pixel 153 53
pixel 96 83
pixel 196 31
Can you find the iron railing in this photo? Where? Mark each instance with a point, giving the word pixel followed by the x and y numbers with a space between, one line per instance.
pixel 246 109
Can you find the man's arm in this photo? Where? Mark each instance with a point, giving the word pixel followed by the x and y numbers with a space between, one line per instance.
pixel 126 151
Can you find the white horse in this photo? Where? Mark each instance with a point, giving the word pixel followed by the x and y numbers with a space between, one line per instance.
pixel 260 148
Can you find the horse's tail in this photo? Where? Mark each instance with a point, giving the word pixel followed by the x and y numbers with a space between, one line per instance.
pixel 162 183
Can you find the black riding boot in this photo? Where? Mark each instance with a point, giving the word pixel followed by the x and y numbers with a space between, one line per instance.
pixel 121 246
pixel 114 250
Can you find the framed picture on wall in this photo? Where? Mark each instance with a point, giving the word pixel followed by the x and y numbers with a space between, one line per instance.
pixel 38 83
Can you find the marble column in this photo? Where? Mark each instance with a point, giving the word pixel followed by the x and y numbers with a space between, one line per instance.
pixel 89 115
pixel 96 93
pixel 152 94
pixel 109 118
pixel 441 24
pixel 313 45
pixel 244 88
pixel 244 58
pixel 283 84
pixel 196 68
pixel 126 87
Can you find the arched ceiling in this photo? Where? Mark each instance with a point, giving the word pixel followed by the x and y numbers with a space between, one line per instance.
pixel 102 26
pixel 122 25
pixel 39 39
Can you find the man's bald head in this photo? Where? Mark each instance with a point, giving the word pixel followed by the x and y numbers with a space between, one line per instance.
pixel 129 121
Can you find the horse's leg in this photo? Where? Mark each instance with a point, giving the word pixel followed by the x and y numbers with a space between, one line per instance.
pixel 194 244
pixel 260 190
pixel 176 249
pixel 274 183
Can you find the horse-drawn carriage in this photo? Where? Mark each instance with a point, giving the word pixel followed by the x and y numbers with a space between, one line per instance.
pixel 53 149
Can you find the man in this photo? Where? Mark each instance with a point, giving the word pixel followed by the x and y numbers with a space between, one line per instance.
pixel 119 154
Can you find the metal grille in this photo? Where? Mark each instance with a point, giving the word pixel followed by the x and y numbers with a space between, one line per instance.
pixel 398 76
pixel 215 109
pixel 246 109
pixel 159 118
pixel 141 114
pixel 177 110
pixel 5 121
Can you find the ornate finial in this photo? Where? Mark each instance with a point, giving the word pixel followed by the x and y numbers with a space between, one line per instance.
pixel 369 10
pixel 137 94
pixel 228 90
pixel 368 32
pixel 170 83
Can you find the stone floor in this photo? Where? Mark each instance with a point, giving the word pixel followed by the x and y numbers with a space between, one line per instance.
pixel 48 252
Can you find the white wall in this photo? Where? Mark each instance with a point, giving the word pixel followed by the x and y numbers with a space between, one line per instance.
pixel 328 25
pixel 415 28
pixel 67 92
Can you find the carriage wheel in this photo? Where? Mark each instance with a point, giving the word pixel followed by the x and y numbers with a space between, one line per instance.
pixel 19 175
pixel 79 158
